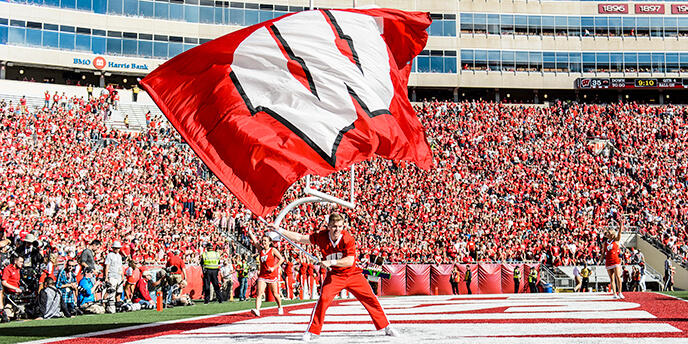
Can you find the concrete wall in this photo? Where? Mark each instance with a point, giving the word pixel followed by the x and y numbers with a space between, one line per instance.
pixel 656 258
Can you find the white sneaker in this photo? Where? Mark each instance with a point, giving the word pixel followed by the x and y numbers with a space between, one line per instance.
pixel 308 337
pixel 390 331
pixel 621 296
pixel 280 311
pixel 255 312
pixel 615 297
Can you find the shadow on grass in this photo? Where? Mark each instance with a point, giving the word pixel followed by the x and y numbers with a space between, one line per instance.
pixel 52 331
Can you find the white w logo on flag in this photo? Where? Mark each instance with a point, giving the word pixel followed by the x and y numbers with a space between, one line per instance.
pixel 306 80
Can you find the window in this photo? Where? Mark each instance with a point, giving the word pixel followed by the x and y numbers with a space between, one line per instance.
pixel 534 25
pixel 82 42
pixel 672 65
pixel 562 60
pixel 114 6
pixel 643 26
pixel 657 26
pixel 251 17
pixel 683 62
pixel 51 39
pixel 494 61
pixel 658 65
pixel 521 61
pixel 561 26
pixel 70 4
pixel 616 62
pixel 236 16
pixel 479 23
pixel 602 62
pixel 424 62
pixel 535 61
pixel 589 62
pixel 34 37
pixel 466 22
pixel 521 25
pixel 548 26
pixel 548 61
pixel 480 59
pixel 145 48
pixel 644 62
pixel 507 61
pixel 629 26
pixel 601 26
pixel 162 10
pixel 467 59
pixel 493 24
pixel 175 49
pixel 176 11
pixel 682 26
pixel 615 28
pixel 84 5
pixel 507 24
pixel 160 49
pixel 67 41
pixel 206 15
pixel 630 62
pixel 98 45
pixel 129 47
pixel 587 26
pixel 575 62
pixel 146 9
pixel 574 26
pixel 670 27
pixel 114 46
pixel 191 13
pixel 450 26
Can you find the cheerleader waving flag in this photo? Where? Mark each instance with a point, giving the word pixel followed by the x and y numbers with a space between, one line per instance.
pixel 307 93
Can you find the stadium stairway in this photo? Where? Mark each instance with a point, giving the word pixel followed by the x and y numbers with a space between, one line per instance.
pixel 31 101
pixel 136 114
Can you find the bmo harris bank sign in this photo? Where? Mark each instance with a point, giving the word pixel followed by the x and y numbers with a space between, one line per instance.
pixel 100 63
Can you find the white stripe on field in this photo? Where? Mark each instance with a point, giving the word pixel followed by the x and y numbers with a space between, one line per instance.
pixel 459 316
pixel 513 306
pixel 459 330
pixel 378 338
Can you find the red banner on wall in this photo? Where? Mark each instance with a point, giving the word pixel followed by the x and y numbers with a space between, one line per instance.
pixel 396 284
pixel 649 8
pixel 418 279
pixel 679 9
pixel 612 8
pixel 439 279
pixel 489 278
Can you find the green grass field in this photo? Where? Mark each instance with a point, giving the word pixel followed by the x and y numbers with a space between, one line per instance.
pixel 679 294
pixel 22 331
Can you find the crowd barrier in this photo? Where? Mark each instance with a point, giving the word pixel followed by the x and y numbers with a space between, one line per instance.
pixel 415 279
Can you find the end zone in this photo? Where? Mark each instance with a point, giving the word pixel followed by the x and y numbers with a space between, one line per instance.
pixel 509 318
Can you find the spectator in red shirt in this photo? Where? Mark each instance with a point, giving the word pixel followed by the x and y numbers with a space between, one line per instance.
pixel 141 293
pixel 179 275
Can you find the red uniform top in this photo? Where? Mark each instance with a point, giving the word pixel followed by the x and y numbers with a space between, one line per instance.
pixel 11 275
pixel 289 269
pixel 611 253
pixel 345 246
pixel 175 261
pixel 268 260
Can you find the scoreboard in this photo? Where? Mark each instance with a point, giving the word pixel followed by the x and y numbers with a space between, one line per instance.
pixel 593 83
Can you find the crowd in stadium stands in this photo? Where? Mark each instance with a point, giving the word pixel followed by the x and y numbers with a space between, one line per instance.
pixel 510 183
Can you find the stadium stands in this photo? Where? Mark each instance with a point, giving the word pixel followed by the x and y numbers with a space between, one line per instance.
pixel 510 183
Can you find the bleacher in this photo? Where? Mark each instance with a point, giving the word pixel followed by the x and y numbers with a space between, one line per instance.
pixel 136 113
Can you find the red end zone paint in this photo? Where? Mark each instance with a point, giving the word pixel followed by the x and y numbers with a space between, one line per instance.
pixel 667 310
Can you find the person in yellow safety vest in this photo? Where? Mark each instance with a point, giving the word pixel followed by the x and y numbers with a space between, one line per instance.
pixel 468 278
pixel 517 279
pixel 585 275
pixel 210 261
pixel 532 280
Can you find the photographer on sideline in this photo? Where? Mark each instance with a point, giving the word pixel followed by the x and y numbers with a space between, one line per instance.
pixel 50 302
pixel 87 259
pixel 66 282
pixel 113 274
pixel 179 275
pixel 87 288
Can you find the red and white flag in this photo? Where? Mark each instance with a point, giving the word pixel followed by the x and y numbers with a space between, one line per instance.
pixel 306 93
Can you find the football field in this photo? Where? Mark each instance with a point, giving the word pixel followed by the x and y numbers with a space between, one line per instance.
pixel 507 318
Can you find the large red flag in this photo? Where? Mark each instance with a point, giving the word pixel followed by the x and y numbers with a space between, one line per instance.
pixel 307 93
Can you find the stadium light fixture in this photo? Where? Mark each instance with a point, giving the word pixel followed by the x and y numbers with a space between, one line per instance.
pixel 21 71
pixel 124 81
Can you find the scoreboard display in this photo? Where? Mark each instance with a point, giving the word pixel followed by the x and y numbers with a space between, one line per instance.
pixel 593 83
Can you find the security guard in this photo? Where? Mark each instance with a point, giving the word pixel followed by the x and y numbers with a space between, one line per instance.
pixel 517 279
pixel 210 261
pixel 468 278
pixel 532 280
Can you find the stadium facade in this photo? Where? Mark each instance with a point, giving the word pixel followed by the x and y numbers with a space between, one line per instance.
pixel 520 51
